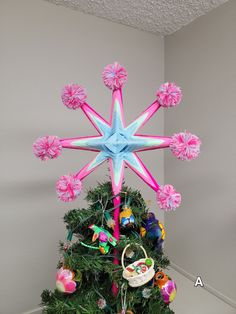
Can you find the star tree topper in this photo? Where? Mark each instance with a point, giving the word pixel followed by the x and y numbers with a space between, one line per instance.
pixel 118 143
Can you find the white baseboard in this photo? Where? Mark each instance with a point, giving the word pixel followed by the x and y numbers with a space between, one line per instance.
pixel 35 311
pixel 209 288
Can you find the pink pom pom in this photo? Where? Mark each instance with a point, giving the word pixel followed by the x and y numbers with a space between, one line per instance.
pixel 68 188
pixel 73 96
pixel 185 146
pixel 167 198
pixel 47 147
pixel 114 76
pixel 169 95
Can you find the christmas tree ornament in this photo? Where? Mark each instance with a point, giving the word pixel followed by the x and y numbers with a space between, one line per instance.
pixel 146 293
pixel 116 142
pixel 109 221
pixel 148 262
pixel 67 246
pixel 143 232
pixel 153 230
pixel 129 253
pixel 168 291
pixel 65 281
pixel 104 237
pixel 167 287
pixel 160 279
pixel 102 304
pixel 71 240
pixel 126 217
pixel 140 272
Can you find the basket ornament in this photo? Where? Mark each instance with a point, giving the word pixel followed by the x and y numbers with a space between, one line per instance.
pixel 140 272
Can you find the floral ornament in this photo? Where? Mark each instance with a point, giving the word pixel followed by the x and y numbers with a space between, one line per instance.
pixel 65 282
pixel 101 304
pixel 146 293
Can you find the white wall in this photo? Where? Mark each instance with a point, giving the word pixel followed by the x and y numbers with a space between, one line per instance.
pixel 201 234
pixel 42 48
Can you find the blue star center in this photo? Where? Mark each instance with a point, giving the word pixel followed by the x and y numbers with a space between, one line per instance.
pixel 116 143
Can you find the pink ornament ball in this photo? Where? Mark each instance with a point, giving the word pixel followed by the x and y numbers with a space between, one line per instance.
pixel 169 95
pixel 168 291
pixel 185 146
pixel 48 147
pixel 167 198
pixel 114 76
pixel 68 188
pixel 65 282
pixel 73 96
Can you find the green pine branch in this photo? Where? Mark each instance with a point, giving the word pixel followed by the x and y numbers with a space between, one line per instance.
pixel 98 271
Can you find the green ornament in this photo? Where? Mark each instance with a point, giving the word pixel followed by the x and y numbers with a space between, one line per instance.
pixel 148 262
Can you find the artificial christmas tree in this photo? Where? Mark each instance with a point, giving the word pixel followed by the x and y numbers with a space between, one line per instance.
pixel 94 272
pixel 113 260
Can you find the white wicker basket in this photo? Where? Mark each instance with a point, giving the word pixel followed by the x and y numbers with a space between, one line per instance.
pixel 142 278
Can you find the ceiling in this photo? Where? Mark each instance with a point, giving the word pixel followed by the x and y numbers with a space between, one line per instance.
pixel 156 16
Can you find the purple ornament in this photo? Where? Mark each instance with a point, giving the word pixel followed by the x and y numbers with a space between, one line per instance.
pixel 103 237
pixel 154 230
pixel 168 291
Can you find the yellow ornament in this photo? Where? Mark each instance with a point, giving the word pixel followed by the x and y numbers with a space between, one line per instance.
pixel 163 233
pixel 126 217
pixel 143 232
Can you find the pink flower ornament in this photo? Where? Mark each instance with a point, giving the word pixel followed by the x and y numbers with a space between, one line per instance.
pixel 48 147
pixel 169 95
pixel 68 188
pixel 65 282
pixel 114 76
pixel 167 198
pixel 103 237
pixel 185 146
pixel 73 96
pixel 101 304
